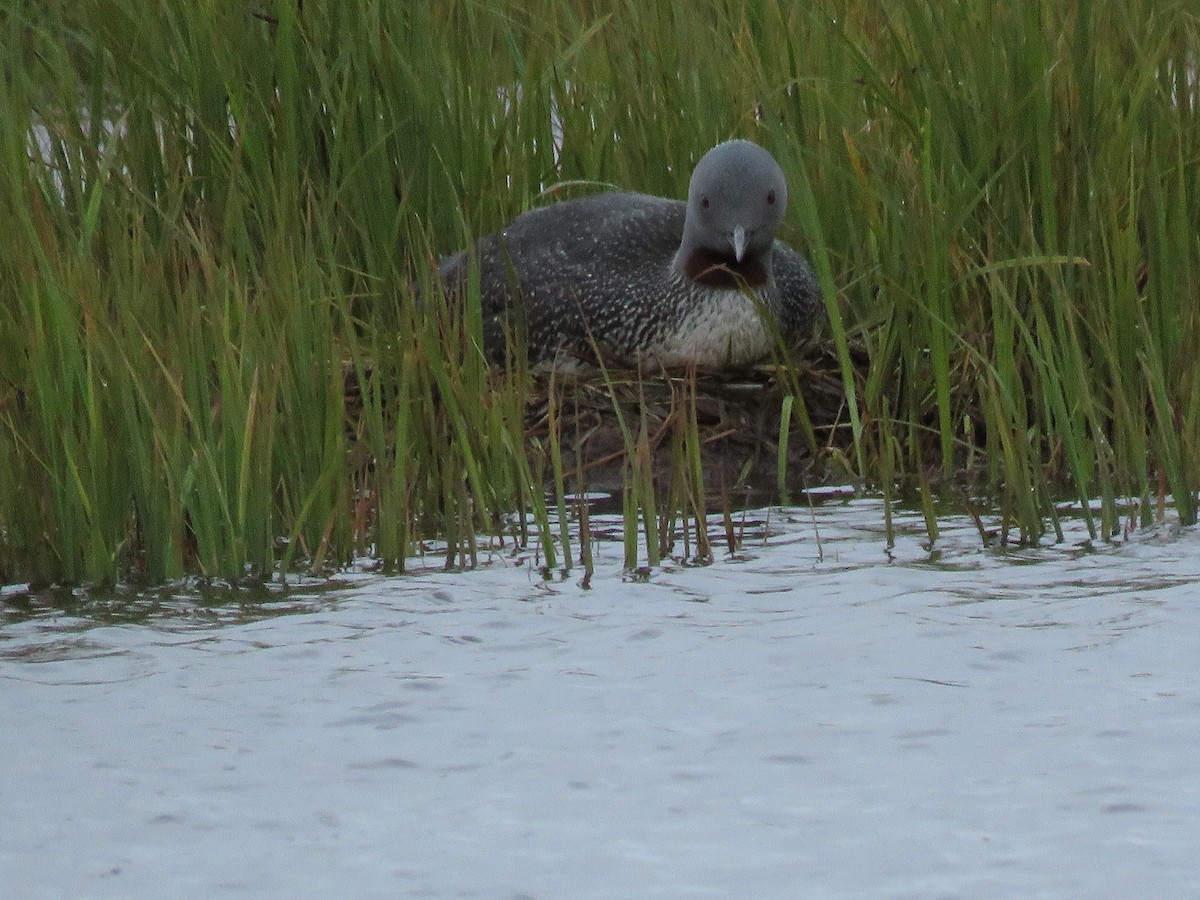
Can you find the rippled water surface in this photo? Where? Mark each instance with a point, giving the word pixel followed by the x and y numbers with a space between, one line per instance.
pixel 809 718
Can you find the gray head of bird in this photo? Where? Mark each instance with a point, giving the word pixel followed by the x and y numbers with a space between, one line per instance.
pixel 736 200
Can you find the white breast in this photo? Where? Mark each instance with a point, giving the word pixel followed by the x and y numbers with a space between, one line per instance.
pixel 724 329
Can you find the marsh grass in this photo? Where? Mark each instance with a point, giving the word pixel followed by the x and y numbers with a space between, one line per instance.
pixel 222 351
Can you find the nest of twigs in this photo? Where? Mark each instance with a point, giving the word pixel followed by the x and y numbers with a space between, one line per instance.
pixel 600 417
pixel 737 422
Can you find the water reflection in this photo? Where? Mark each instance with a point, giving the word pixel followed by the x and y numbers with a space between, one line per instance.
pixel 182 606
pixel 835 530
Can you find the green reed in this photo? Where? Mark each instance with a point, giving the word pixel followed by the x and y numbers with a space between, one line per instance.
pixel 222 350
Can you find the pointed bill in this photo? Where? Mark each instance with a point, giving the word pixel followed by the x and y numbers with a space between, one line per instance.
pixel 739 242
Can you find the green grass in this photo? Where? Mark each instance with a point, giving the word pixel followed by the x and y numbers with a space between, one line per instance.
pixel 218 215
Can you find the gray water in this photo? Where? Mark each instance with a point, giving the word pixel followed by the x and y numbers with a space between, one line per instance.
pixel 809 718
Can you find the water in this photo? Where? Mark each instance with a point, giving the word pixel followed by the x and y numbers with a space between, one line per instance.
pixel 805 719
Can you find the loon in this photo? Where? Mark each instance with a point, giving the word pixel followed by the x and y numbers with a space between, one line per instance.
pixel 649 281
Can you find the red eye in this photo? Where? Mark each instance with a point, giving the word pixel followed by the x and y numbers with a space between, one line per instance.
pixel 770 198
pixel 704 202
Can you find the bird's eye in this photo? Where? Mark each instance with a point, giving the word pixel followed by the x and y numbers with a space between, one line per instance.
pixel 770 198
pixel 704 203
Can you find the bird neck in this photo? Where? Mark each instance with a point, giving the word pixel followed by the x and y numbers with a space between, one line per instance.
pixel 713 269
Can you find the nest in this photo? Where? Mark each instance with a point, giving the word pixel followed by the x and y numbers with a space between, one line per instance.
pixel 600 419
pixel 737 422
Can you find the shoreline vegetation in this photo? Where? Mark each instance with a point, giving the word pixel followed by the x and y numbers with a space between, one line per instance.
pixel 219 218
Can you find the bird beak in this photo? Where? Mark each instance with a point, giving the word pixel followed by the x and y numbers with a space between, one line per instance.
pixel 739 243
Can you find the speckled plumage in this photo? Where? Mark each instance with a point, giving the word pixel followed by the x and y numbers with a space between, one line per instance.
pixel 651 281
